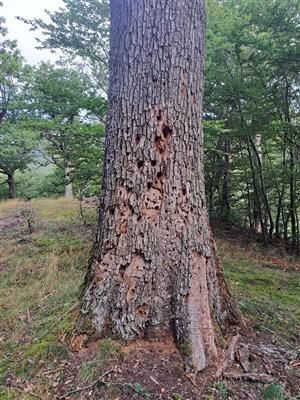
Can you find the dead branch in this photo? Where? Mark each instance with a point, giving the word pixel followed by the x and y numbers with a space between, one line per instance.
pixel 250 376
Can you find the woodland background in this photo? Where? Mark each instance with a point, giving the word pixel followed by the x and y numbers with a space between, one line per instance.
pixel 52 116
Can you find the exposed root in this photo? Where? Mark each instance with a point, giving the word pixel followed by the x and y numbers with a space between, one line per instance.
pixel 242 356
pixel 240 352
pixel 230 355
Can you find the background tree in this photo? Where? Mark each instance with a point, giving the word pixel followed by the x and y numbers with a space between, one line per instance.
pixel 62 98
pixel 13 74
pixel 16 151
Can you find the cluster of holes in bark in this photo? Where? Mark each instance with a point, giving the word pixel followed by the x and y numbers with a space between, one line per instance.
pixel 123 210
pixel 184 89
pixel 161 141
pixel 143 310
pixel 153 197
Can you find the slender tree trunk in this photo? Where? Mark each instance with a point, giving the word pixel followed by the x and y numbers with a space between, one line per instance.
pixel 2 115
pixel 249 211
pixel 154 271
pixel 225 201
pixel 268 213
pixel 293 199
pixel 257 208
pixel 69 185
pixel 12 190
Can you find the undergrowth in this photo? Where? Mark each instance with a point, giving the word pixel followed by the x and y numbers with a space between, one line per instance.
pixel 42 270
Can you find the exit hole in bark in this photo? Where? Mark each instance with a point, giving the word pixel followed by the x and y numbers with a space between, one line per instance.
pixel 159 174
pixel 184 191
pixel 153 163
pixel 149 185
pixel 143 311
pixel 159 144
pixel 167 132
pixel 122 271
pixel 140 163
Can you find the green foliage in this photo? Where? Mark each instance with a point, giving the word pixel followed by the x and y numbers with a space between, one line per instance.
pixel 137 388
pixel 177 396
pixel 66 98
pixel 60 92
pixel 251 114
pixel 81 29
pixel 219 388
pixel 47 114
pixel 16 147
pixel 40 182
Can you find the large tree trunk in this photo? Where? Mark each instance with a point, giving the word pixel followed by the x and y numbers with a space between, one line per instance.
pixel 12 191
pixel 154 271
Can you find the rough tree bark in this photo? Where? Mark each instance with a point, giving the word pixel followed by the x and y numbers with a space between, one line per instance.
pixel 154 271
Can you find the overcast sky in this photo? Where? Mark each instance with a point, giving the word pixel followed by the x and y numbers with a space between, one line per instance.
pixel 18 30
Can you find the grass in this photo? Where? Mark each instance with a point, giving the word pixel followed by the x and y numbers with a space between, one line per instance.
pixel 40 278
pixel 269 296
pixel 41 274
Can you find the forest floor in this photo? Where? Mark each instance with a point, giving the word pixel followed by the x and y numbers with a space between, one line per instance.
pixel 41 273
